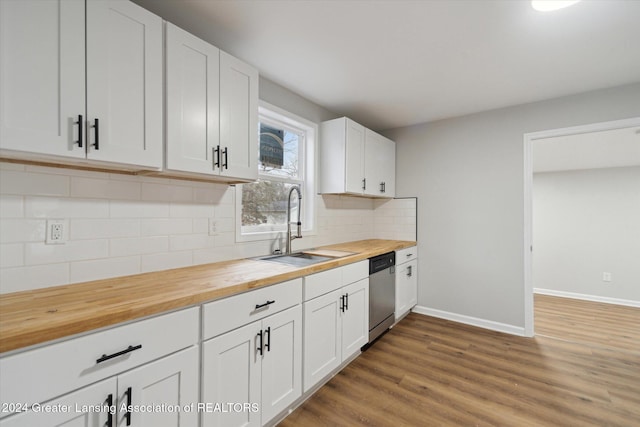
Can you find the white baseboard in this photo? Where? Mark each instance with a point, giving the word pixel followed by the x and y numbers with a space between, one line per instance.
pixel 468 320
pixel 594 298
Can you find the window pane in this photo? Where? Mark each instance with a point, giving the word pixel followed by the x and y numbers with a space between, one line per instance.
pixel 280 151
pixel 264 206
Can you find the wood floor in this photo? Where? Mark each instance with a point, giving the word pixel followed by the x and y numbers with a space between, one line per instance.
pixel 581 369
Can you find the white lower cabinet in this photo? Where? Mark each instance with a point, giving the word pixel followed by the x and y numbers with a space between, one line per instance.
pixel 76 409
pixel 157 394
pixel 254 372
pixel 336 324
pixel 406 281
pixel 151 395
pixel 149 362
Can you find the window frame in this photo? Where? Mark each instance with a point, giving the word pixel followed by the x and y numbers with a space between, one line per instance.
pixel 272 114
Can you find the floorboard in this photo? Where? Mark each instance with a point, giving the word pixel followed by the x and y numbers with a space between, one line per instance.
pixel 581 369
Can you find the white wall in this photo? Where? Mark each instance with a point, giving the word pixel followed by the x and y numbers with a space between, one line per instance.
pixel 467 173
pixel 585 223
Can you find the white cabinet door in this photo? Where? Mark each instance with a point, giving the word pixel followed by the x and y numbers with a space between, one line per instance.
pixel 124 83
pixel 354 157
pixel 322 337
pixel 231 373
pixel 406 287
pixel 380 163
pixel 193 102
pixel 171 381
pixel 282 362
pixel 79 409
pixel 238 118
pixel 42 76
pixel 388 159
pixel 355 317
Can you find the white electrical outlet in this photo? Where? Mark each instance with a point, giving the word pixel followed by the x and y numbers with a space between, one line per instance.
pixel 212 227
pixel 56 231
pixel 606 276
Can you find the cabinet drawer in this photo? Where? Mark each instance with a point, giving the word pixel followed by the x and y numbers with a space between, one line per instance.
pixel 354 272
pixel 229 313
pixel 330 280
pixel 46 372
pixel 406 255
pixel 322 283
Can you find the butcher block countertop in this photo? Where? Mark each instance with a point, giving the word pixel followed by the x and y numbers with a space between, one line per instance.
pixel 34 317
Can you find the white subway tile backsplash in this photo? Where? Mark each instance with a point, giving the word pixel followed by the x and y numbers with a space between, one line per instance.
pixel 33 277
pixel 104 189
pixel 166 193
pixel 122 224
pixel 103 228
pixel 11 255
pixel 77 250
pixel 190 210
pixel 84 271
pixel 138 209
pixel 166 226
pixel 58 207
pixel 11 206
pixel 166 260
pixel 25 183
pixel 138 246
pixel 22 230
pixel 190 241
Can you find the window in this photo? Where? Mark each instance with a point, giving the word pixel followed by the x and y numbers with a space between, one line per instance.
pixel 287 152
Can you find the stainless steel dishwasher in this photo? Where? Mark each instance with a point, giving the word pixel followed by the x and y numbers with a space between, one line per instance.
pixel 382 293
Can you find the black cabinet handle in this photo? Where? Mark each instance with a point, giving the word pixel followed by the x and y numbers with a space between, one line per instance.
pixel 342 303
pixel 409 271
pixel 259 348
pixel 216 156
pixel 346 301
pixel 96 126
pixel 364 183
pixel 120 353
pixel 110 413
pixel 265 304
pixel 80 124
pixel 267 346
pixel 127 413
pixel 382 187
pixel 409 255
pixel 225 152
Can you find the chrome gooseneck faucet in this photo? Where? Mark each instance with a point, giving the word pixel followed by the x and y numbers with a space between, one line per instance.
pixel 289 222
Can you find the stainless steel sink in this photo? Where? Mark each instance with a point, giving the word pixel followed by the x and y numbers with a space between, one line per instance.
pixel 299 259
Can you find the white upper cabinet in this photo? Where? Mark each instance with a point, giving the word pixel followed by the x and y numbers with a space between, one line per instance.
pixel 238 118
pixel 355 160
pixel 193 98
pixel 42 76
pixel 212 110
pixel 124 83
pixel 380 165
pixel 105 105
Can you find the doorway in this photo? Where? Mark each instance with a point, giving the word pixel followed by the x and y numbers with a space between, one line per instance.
pixel 529 140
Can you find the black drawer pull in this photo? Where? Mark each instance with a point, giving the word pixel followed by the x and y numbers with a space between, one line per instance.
pixel 96 125
pixel 346 301
pixel 120 353
pixel 216 157
pixel 110 412
pixel 127 414
pixel 409 271
pixel 225 152
pixel 267 332
pixel 265 304
pixel 259 348
pixel 80 131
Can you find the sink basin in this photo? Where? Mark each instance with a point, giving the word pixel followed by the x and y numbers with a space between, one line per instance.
pixel 299 259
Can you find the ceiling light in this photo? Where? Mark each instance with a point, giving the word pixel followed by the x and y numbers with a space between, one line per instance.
pixel 549 5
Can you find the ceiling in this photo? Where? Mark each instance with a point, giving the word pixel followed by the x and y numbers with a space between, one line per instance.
pixel 393 63
pixel 593 150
